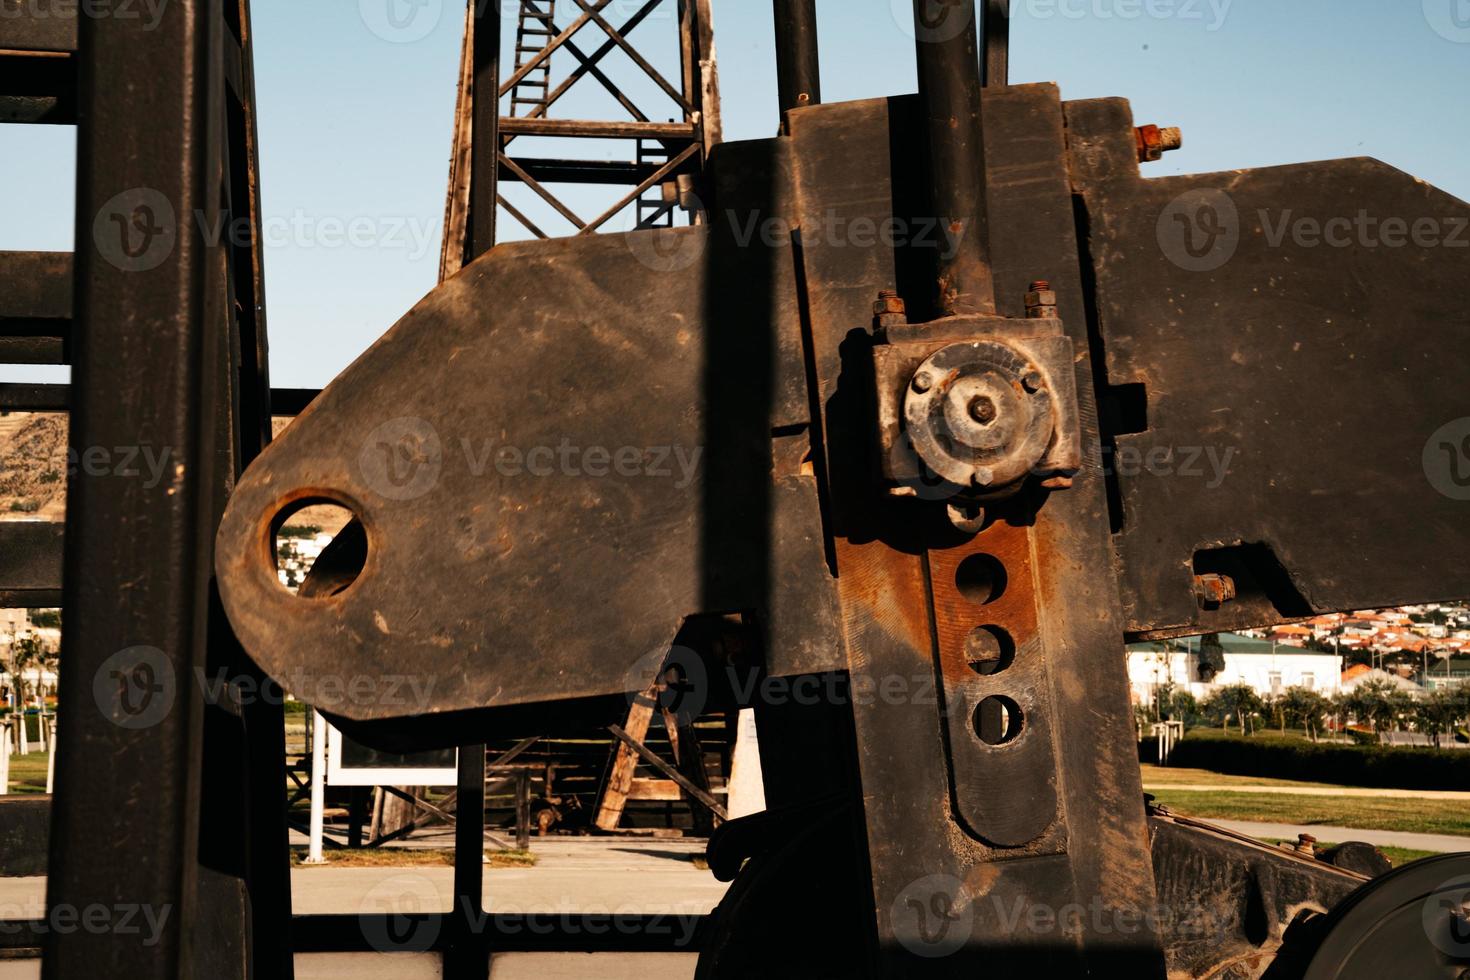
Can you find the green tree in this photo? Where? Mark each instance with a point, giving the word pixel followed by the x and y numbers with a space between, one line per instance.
pixel 1239 701
pixel 1304 708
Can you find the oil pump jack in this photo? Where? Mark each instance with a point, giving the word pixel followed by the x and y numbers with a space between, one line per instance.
pixel 910 501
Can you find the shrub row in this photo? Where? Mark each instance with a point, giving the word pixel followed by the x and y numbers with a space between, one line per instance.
pixel 1379 767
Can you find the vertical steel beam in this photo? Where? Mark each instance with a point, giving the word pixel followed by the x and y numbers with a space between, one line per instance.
pixel 138 556
pixel 949 90
pixel 997 27
pixel 485 152
pixel 468 955
pixel 798 68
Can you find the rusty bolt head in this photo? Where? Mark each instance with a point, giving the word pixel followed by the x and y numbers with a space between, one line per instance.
pixel 1154 142
pixel 923 381
pixel 982 409
pixel 1041 302
pixel 984 476
pixel 1032 382
pixel 890 304
pixel 1213 590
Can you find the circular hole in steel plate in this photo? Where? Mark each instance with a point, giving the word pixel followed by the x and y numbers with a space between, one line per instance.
pixel 989 650
pixel 998 720
pixel 319 548
pixel 981 578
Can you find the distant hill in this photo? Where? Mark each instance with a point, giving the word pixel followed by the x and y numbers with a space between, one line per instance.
pixel 32 466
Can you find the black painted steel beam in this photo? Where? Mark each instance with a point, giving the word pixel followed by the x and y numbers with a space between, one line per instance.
pixel 798 63
pixel 949 89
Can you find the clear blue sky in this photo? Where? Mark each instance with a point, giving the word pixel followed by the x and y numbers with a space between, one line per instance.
pixel 355 127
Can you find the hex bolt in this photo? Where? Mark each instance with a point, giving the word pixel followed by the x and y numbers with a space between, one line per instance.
pixel 983 477
pixel 1041 301
pixel 890 309
pixel 1213 590
pixel 923 381
pixel 1305 842
pixel 1153 142
pixel 982 409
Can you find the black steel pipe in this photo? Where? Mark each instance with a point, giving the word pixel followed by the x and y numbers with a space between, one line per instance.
pixel 798 69
pixel 997 27
pixel 949 91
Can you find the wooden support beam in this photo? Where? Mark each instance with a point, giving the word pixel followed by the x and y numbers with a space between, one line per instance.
pixel 649 756
pixel 625 760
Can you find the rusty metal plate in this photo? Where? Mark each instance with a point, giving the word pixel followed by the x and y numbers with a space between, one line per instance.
pixel 1284 351
pixel 557 456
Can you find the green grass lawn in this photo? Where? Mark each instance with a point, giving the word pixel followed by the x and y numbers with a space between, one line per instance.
pixel 1387 813
pixel 401 857
pixel 28 772
pixel 1169 776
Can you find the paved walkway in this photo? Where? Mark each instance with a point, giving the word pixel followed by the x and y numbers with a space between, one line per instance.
pixel 1334 791
pixel 1441 843
pixel 572 876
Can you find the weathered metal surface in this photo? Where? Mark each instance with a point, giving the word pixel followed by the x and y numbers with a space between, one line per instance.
pixel 925 866
pixel 1412 922
pixel 1226 901
pixel 30 558
pixel 513 452
pixel 25 826
pixel 1304 430
pixel 26 25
